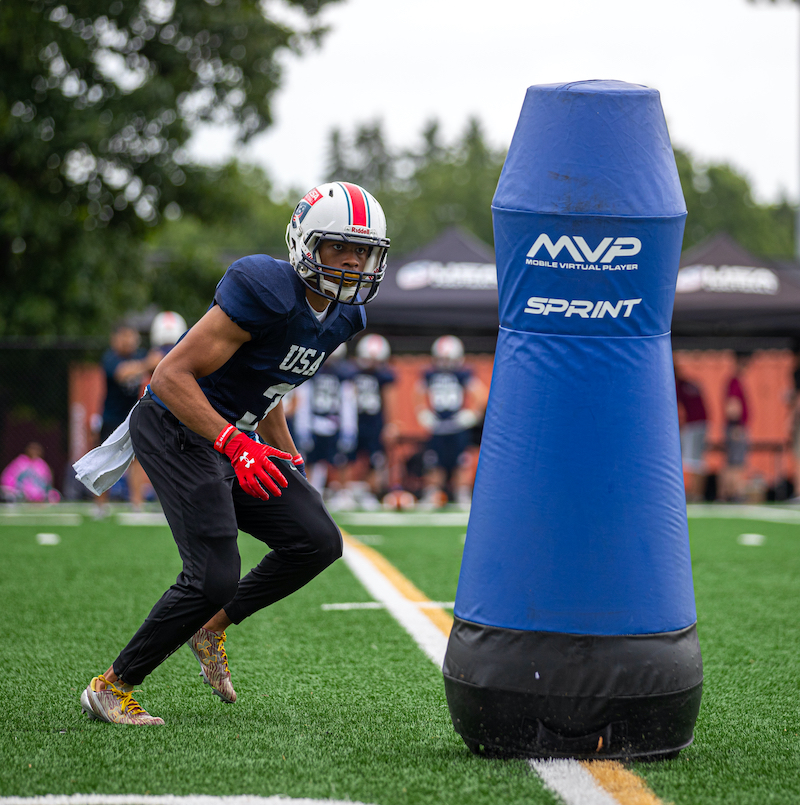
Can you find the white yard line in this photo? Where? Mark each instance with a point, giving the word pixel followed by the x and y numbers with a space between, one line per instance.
pixel 40 518
pixel 407 613
pixel 570 781
pixel 141 518
pixel 378 605
pixel 743 512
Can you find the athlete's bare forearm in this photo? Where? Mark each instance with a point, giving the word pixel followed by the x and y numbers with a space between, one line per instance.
pixel 274 430
pixel 180 392
pixel 204 349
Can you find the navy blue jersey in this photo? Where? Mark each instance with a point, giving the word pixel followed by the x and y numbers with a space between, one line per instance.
pixel 326 392
pixel 369 385
pixel 446 390
pixel 266 298
pixel 120 397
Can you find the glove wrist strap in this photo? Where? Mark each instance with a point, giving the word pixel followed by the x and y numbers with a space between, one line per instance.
pixel 222 439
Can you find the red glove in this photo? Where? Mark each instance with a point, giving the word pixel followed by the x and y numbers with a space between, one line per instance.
pixel 252 463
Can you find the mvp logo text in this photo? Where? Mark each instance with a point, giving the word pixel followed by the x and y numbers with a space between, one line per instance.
pixel 605 252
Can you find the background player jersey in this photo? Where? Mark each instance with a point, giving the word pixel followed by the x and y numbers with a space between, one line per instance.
pixel 369 383
pixel 327 391
pixel 446 395
pixel 266 298
pixel 326 407
pixel 120 397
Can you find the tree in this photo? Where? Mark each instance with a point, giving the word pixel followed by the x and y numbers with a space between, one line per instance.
pixel 96 104
pixel 424 191
pixel 234 215
pixel 718 198
pixel 367 161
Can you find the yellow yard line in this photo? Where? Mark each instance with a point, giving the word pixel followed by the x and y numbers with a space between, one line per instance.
pixel 624 786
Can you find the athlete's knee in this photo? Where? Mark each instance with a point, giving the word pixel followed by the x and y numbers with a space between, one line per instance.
pixel 332 545
pixel 223 568
pixel 323 541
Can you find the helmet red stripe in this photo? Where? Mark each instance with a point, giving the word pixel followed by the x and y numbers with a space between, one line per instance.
pixel 358 204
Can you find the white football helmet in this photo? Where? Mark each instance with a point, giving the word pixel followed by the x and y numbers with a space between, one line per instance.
pixel 372 349
pixel 167 328
pixel 447 350
pixel 347 213
pixel 339 354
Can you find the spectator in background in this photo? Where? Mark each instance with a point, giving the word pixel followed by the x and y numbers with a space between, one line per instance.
pixel 373 380
pixel 736 418
pixel 450 401
pixel 326 427
pixel 28 478
pixel 693 424
pixel 126 366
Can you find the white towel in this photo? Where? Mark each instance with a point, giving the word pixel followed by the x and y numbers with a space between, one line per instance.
pixel 102 467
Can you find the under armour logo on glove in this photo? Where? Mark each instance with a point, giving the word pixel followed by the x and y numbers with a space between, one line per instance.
pixel 252 463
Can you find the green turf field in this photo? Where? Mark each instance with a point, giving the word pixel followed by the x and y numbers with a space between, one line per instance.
pixel 342 704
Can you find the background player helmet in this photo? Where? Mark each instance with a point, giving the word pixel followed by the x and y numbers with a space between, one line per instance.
pixel 372 349
pixel 167 328
pixel 339 354
pixel 345 212
pixel 447 350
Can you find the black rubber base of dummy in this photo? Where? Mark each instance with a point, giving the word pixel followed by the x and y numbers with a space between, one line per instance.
pixel 549 695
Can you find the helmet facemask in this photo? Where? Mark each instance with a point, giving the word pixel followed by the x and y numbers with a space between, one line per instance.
pixel 340 285
pixel 331 212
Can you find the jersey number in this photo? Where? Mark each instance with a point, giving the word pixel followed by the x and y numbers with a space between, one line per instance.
pixel 274 394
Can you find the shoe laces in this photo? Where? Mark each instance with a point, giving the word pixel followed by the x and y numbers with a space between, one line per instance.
pixel 125 698
pixel 220 646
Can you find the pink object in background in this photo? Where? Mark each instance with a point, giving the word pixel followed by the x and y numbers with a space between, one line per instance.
pixel 29 478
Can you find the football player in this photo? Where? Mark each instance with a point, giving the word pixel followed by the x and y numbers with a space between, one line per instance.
pixel 450 401
pixel 325 425
pixel 166 330
pixel 126 367
pixel 211 434
pixel 373 381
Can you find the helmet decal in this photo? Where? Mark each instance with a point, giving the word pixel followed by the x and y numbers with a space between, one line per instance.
pixel 312 197
pixel 304 205
pixel 357 204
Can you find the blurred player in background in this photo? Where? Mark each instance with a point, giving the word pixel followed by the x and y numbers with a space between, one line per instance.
pixel 211 433
pixel 326 426
pixel 450 401
pixel 126 366
pixel 166 330
pixel 373 380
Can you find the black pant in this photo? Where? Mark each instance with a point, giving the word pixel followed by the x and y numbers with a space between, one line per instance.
pixel 205 508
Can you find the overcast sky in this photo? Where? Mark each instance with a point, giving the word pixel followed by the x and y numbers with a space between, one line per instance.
pixel 728 72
